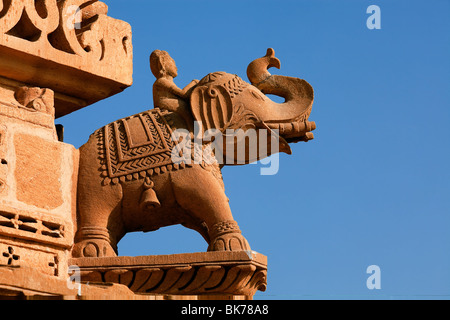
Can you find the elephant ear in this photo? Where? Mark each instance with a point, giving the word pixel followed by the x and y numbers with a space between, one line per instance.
pixel 212 106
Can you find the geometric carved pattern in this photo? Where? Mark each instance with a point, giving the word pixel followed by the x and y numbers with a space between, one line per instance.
pixel 32 225
pixel 10 256
pixel 34 228
pixel 224 227
pixel 135 147
pixel 18 255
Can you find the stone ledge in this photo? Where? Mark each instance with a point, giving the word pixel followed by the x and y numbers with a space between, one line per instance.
pixel 237 273
pixel 24 283
pixel 20 281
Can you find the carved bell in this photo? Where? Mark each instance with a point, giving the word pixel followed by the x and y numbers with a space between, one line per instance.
pixel 149 199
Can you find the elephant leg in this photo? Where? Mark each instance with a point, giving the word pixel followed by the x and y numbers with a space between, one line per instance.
pixel 99 220
pixel 226 236
pixel 200 194
pixel 94 238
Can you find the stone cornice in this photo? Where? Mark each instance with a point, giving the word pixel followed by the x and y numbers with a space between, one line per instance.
pixel 204 273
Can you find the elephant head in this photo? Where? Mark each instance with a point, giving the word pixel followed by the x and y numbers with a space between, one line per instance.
pixel 223 103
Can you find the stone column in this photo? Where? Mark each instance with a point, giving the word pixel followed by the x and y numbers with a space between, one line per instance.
pixel 56 57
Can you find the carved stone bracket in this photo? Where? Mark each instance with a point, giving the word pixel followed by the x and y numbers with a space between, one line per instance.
pixel 69 46
pixel 208 273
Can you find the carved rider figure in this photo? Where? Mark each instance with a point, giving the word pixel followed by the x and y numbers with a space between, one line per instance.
pixel 166 94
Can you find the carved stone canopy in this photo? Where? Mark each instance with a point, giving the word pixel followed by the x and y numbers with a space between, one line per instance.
pixel 69 46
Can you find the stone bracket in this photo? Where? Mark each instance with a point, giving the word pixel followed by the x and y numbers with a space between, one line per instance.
pixel 206 273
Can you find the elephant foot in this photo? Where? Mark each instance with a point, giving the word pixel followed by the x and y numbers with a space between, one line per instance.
pixel 226 236
pixel 93 243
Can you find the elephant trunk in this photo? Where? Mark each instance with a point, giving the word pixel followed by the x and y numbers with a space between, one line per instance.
pixel 298 94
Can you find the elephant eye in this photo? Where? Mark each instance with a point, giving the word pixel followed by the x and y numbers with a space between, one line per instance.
pixel 212 93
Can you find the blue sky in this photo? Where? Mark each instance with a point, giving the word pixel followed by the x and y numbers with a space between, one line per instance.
pixel 373 188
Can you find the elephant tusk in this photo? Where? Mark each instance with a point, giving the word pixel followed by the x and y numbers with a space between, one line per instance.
pixel 307 137
pixel 283 144
pixel 257 71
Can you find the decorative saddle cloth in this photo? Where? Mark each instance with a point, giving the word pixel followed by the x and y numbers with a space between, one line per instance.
pixel 135 147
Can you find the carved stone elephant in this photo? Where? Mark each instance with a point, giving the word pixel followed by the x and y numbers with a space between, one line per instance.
pixel 129 181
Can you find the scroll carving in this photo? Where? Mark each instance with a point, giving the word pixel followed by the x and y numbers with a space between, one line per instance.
pixel 28 18
pixel 36 99
pixel 65 44
pixel 79 27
